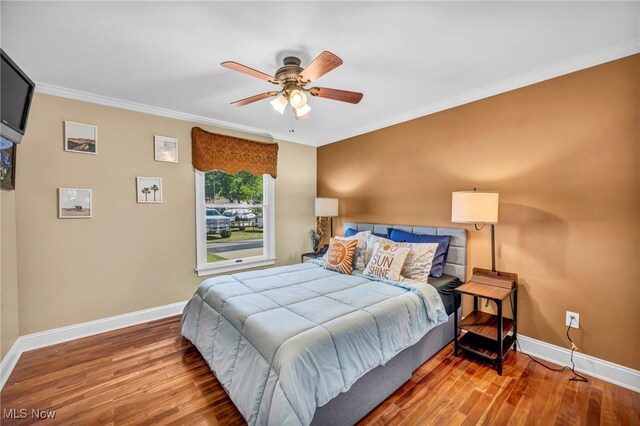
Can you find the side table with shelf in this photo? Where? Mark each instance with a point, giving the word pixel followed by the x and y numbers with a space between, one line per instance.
pixel 487 334
pixel 312 255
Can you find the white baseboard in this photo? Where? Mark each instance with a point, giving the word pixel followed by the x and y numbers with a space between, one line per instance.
pixel 9 361
pixel 594 367
pixel 604 370
pixel 64 334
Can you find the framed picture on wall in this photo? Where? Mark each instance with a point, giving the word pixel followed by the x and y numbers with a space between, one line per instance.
pixel 165 149
pixel 149 190
pixel 75 203
pixel 81 138
pixel 8 161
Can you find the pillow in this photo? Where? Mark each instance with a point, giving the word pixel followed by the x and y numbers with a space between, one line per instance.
pixel 351 232
pixel 418 263
pixel 386 261
pixel 372 239
pixel 340 255
pixel 443 241
pixel 361 248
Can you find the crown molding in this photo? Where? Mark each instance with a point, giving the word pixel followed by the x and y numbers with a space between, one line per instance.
pixel 79 95
pixel 599 57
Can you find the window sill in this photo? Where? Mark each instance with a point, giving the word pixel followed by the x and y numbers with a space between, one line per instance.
pixel 213 270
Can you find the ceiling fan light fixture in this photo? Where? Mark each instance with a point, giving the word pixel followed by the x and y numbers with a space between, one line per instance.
pixel 302 112
pixel 292 79
pixel 279 104
pixel 297 98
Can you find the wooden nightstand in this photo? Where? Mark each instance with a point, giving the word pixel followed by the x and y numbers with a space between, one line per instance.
pixel 487 334
pixel 312 255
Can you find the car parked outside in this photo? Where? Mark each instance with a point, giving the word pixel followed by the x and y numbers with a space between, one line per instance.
pixel 241 218
pixel 217 223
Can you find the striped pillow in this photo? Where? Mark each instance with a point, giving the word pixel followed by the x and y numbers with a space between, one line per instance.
pixel 340 255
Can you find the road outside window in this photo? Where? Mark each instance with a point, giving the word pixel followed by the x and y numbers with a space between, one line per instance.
pixel 235 207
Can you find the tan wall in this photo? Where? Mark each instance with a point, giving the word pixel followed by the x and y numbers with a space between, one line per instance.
pixel 129 256
pixel 564 155
pixel 8 272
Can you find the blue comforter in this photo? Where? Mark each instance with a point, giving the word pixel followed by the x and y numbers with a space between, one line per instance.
pixel 285 340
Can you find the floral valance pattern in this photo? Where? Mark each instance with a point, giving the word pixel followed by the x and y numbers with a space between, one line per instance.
pixel 212 151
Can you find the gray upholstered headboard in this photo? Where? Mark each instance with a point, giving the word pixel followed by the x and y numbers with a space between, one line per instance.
pixel 456 259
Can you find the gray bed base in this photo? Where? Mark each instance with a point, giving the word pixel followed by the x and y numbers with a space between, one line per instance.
pixel 378 384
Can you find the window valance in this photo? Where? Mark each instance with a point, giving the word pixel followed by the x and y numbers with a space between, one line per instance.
pixel 211 151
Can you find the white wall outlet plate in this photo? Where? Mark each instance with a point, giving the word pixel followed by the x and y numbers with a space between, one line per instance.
pixel 576 320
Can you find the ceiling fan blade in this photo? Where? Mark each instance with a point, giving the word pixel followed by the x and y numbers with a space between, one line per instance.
pixel 255 98
pixel 247 70
pixel 325 62
pixel 336 94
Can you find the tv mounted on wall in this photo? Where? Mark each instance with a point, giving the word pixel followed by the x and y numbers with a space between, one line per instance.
pixel 17 91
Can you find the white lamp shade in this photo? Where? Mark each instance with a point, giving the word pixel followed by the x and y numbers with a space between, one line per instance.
pixel 302 112
pixel 297 98
pixel 474 207
pixel 279 104
pixel 326 207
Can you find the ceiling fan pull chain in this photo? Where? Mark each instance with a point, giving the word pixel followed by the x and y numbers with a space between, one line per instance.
pixel 292 130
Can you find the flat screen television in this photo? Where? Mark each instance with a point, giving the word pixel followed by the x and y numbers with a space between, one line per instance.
pixel 16 91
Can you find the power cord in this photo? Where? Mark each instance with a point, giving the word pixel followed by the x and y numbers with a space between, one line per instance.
pixel 576 377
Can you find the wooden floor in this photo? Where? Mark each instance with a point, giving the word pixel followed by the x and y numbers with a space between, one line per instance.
pixel 149 374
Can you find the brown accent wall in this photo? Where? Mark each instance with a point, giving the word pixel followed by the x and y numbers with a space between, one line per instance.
pixel 129 256
pixel 564 155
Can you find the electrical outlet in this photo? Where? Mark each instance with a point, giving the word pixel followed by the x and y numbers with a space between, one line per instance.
pixel 576 320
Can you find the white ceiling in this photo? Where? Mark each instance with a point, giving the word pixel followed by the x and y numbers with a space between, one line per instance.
pixel 409 59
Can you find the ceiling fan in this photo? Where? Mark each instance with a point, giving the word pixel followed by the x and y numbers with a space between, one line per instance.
pixel 293 79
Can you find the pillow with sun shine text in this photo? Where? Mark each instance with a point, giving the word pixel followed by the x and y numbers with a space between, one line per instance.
pixel 386 261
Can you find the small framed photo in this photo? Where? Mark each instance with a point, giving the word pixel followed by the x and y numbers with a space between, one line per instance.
pixel 165 148
pixel 75 203
pixel 8 164
pixel 149 190
pixel 82 138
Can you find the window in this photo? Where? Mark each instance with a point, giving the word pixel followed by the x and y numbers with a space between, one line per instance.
pixel 234 221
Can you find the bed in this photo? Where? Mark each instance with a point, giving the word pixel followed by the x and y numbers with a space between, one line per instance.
pixel 303 345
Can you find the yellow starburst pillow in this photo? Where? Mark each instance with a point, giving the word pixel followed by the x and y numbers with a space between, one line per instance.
pixel 340 255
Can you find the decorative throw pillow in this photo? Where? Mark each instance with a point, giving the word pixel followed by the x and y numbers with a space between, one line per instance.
pixel 361 248
pixel 340 255
pixel 418 263
pixel 371 244
pixel 443 241
pixel 351 232
pixel 386 261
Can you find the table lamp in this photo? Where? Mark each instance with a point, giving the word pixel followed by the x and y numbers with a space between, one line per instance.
pixel 327 207
pixel 477 207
